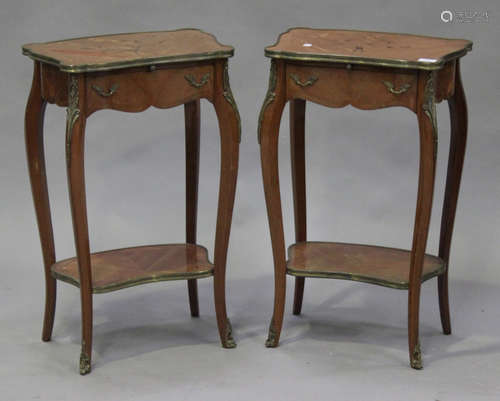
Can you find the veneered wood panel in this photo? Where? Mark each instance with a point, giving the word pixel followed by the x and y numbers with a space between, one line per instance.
pixel 377 265
pixel 119 268
pixel 128 49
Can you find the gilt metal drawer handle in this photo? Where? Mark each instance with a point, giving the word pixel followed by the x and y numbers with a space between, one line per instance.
pixel 309 82
pixel 396 91
pixel 192 80
pixel 104 93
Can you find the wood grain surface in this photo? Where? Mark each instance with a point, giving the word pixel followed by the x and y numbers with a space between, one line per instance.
pixel 143 48
pixel 120 268
pixel 362 46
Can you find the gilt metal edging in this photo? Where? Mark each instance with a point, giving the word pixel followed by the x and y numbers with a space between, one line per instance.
pixel 228 95
pixel 72 114
pixel 270 96
pixel 396 91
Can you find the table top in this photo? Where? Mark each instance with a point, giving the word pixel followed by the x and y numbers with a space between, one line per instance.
pixel 109 52
pixel 364 47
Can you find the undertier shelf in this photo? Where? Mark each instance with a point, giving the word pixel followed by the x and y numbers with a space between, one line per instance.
pixel 127 267
pixel 389 267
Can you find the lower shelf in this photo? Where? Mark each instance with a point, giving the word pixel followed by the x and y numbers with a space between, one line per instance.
pixel 388 267
pixel 121 268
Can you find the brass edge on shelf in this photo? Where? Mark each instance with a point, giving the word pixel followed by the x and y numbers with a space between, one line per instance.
pixel 133 283
pixel 361 278
pixel 192 80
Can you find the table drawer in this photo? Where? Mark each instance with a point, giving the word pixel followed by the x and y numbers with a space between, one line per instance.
pixel 364 88
pixel 137 89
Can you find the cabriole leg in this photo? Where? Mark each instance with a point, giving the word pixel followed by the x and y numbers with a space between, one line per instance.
pixel 35 111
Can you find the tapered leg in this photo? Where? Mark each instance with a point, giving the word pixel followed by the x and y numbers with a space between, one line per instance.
pixel 75 141
pixel 426 113
pixel 458 139
pixel 35 110
pixel 192 122
pixel 298 156
pixel 229 124
pixel 269 124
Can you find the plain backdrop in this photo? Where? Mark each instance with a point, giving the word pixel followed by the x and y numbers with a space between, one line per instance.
pixel 350 343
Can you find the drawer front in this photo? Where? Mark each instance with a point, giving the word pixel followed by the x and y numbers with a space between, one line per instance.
pixel 137 89
pixel 364 88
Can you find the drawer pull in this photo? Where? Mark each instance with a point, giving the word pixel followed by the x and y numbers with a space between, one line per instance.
pixel 309 82
pixel 192 80
pixel 104 93
pixel 396 91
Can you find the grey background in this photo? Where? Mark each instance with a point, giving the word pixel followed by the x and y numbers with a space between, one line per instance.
pixel 351 341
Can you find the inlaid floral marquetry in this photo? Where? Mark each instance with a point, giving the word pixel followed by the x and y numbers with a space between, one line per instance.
pixel 107 52
pixel 372 48
pixel 368 71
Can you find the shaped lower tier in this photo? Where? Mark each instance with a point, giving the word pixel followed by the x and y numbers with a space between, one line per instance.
pixel 389 267
pixel 121 268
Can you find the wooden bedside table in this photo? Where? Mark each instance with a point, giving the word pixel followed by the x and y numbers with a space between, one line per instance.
pixel 131 72
pixel 368 70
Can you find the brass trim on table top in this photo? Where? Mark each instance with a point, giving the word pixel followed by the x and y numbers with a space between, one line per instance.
pixel 101 92
pixel 139 281
pixel 359 277
pixel 416 357
pixel 334 58
pixel 130 63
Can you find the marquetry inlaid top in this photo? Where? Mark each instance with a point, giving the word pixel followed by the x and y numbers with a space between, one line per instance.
pixel 363 47
pixel 109 52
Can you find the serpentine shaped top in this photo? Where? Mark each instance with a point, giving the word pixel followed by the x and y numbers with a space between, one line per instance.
pixel 109 52
pixel 370 48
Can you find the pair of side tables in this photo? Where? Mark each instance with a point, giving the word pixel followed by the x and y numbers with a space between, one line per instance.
pixel 335 68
